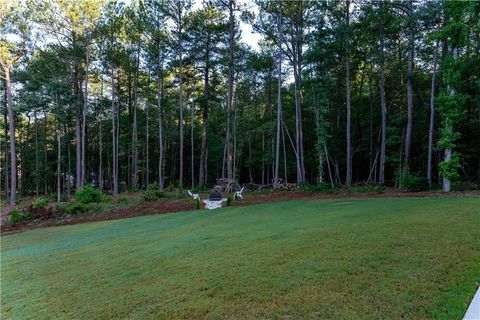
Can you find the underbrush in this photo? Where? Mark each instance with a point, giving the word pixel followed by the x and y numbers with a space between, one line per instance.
pixel 364 188
pixel 73 207
pixel 41 202
pixel 89 194
pixel 414 183
pixel 319 187
pixel 86 200
pixel 153 193
pixel 465 186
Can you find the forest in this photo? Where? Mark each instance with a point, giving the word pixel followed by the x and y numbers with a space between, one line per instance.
pixel 123 95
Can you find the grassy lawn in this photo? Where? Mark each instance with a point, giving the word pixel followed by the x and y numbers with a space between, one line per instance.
pixel 411 258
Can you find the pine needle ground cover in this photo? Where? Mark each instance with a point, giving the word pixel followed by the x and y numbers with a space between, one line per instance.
pixel 394 258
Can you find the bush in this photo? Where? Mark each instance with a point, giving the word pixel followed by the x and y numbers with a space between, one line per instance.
pixel 365 188
pixel 229 200
pixel 149 195
pixel 89 194
pixel 17 217
pixel 72 208
pixel 415 183
pixel 313 187
pixel 152 193
pixel 41 202
pixel 197 204
pixel 122 199
pixel 106 198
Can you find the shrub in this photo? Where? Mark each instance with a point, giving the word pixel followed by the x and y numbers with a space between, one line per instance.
pixel 149 195
pixel 365 188
pixel 72 208
pixel 229 200
pixel 197 204
pixel 41 202
pixel 15 216
pixel 106 198
pixel 18 216
pixel 415 183
pixel 88 194
pixel 152 193
pixel 313 187
pixel 122 199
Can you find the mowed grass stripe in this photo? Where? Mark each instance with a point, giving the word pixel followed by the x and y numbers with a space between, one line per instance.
pixel 345 259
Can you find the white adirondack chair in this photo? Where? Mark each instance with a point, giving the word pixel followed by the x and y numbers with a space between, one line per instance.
pixel 194 196
pixel 238 194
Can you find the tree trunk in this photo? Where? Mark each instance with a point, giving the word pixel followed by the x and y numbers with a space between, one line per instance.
pixel 332 183
pixel 134 126
pixel 285 169
pixel 371 119
pixel 447 184
pixel 192 149
pixel 348 179
pixel 383 106
pixel 180 93
pixel 250 160
pixel 432 117
pixel 279 101
pixel 159 81
pixel 100 139
pixel 117 139
pixel 59 159
pixel 11 126
pixel 224 160
pixel 36 153
pixel 234 134
pixel 231 39
pixel 68 164
pixel 84 118
pixel 1 166
pixel 78 116
pixel 45 156
pixel 147 150
pixel 7 182
pixel 297 45
pixel 21 166
pixel 203 149
pixel 408 136
pixel 263 157
pixel 114 141
pixel 160 121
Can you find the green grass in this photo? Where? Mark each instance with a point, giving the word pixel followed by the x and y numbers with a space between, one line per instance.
pixel 401 258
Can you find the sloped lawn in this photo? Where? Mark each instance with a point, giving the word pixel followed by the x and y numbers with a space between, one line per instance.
pixel 412 258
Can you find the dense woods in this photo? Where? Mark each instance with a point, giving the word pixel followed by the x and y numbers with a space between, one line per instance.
pixel 123 95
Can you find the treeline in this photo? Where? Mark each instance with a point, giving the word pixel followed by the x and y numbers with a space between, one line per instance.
pixel 166 92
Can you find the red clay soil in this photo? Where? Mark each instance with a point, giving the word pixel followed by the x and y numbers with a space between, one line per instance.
pixel 164 206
